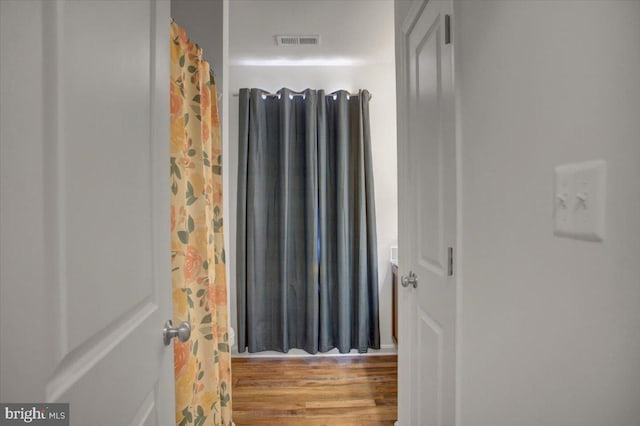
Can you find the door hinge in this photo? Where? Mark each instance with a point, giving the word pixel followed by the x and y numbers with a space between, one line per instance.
pixel 450 262
pixel 447 29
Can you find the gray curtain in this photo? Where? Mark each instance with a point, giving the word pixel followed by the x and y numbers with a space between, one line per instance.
pixel 307 273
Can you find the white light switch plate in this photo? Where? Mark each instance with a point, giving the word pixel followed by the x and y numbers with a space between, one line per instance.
pixel 580 200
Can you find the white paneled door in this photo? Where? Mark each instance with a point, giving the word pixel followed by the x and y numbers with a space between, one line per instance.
pixel 427 199
pixel 85 254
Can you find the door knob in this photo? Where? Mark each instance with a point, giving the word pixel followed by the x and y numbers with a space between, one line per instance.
pixel 182 332
pixel 410 279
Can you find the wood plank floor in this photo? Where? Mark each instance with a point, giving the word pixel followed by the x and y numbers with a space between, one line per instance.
pixel 315 390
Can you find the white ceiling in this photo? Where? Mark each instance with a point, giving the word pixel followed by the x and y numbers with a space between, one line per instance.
pixel 352 32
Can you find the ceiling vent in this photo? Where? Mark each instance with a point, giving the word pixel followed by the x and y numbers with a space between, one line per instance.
pixel 297 40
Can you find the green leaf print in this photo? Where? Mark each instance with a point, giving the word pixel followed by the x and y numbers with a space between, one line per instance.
pixel 184 237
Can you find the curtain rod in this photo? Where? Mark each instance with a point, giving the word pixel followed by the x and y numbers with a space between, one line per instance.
pixel 297 94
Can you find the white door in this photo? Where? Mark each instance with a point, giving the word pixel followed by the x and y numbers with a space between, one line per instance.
pixel 427 234
pixel 85 254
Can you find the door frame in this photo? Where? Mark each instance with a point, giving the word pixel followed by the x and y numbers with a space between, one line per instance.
pixel 403 26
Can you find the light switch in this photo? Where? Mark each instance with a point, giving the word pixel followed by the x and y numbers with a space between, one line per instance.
pixel 580 199
pixel 564 189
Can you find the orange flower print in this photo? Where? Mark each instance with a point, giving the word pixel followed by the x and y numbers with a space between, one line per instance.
pixel 205 131
pixel 216 194
pixel 205 96
pixel 215 119
pixel 182 33
pixel 186 162
pixel 173 218
pixel 175 102
pixel 184 382
pixel 218 294
pixel 192 264
pixel 180 356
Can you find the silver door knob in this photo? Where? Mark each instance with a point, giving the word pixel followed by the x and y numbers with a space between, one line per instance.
pixel 182 332
pixel 410 279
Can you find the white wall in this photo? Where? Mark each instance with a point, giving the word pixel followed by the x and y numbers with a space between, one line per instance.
pixel 380 81
pixel 550 326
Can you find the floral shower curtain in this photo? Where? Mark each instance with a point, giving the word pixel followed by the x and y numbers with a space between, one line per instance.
pixel 203 363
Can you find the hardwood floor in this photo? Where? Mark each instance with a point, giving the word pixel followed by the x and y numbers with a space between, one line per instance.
pixel 315 391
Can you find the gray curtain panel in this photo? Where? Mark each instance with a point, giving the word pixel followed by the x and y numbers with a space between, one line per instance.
pixel 307 273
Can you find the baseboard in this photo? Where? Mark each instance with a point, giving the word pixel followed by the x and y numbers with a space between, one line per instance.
pixel 389 349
